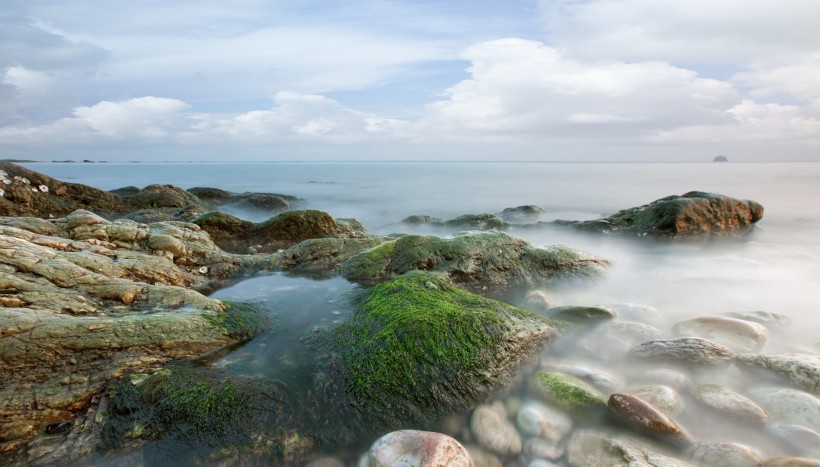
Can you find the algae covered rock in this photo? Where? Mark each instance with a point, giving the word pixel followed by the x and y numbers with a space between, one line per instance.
pixel 418 347
pixel 475 260
pixel 566 392
pixel 695 214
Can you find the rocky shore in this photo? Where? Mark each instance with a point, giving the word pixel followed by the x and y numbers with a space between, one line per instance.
pixel 106 335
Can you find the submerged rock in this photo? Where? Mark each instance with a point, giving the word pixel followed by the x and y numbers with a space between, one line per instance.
pixel 566 392
pixel 801 369
pixel 737 334
pixel 587 448
pixel 790 462
pixel 412 352
pixel 661 397
pixel 582 314
pixel 476 222
pixel 475 260
pixel 521 213
pixel 248 200
pixel 730 403
pixel 417 448
pixel 644 418
pixel 724 454
pixel 772 321
pixel 491 429
pixel 804 441
pixel 788 406
pixel 693 215
pixel 536 419
pixel 684 351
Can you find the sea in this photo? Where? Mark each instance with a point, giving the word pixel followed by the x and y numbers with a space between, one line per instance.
pixel 775 268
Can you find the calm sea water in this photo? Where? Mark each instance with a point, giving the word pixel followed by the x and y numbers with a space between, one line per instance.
pixel 776 269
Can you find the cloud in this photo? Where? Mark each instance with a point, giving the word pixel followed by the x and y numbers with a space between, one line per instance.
pixel 139 121
pixel 727 33
pixel 526 88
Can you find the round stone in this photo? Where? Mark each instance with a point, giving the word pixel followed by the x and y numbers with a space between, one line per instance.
pixel 724 454
pixel 422 448
pixel 661 397
pixel 728 402
pixel 537 419
pixel 493 432
pixel 737 334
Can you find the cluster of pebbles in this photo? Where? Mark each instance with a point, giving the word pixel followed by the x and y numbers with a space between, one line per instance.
pixel 625 392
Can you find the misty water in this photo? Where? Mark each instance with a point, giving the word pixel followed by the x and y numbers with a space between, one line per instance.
pixel 776 268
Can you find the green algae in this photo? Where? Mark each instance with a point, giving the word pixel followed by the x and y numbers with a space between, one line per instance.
pixel 418 347
pixel 242 321
pixel 567 392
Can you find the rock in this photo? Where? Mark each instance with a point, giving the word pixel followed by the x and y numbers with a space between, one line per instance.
pixel 727 402
pixel 417 448
pixel 421 219
pixel 661 397
pixel 263 202
pixel 738 335
pixel 476 222
pixel 538 448
pixel 645 418
pixel 491 429
pixel 521 213
pixel 612 340
pixel 462 346
pixel 725 454
pixel 684 351
pixel 601 380
pixel 326 462
pixel 801 439
pixel 693 215
pixel 671 378
pixel 566 392
pixel 475 260
pixel 161 196
pixel 587 448
pixel 536 419
pixel 481 457
pixel 801 369
pixel 720 159
pixel 790 462
pixel 279 232
pixel 788 406
pixel 634 311
pixel 581 314
pixel 55 200
pixel 538 300
pixel 772 321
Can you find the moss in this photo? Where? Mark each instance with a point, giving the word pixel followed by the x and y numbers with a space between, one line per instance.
pixel 567 392
pixel 242 321
pixel 369 263
pixel 202 407
pixel 418 343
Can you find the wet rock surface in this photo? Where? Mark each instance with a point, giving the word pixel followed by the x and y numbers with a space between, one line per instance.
pixel 646 419
pixel 692 215
pixel 588 448
pixel 423 448
pixel 684 351
pixel 730 403
pixel 724 454
pixel 475 260
pixel 803 370
pixel 493 431
pixel 737 334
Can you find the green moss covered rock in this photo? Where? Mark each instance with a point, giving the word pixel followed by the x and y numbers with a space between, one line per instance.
pixel 418 347
pixel 474 260
pixel 566 392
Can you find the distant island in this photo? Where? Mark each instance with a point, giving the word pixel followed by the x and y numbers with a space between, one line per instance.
pixel 19 161
pixel 720 159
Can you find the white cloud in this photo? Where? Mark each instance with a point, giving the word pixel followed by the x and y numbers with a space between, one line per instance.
pixel 519 87
pixel 727 32
pixel 138 121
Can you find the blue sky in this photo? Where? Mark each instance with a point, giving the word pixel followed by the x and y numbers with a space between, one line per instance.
pixel 455 80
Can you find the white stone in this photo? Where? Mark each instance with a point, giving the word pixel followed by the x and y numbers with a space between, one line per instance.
pixel 537 419
pixel 417 449
pixel 789 406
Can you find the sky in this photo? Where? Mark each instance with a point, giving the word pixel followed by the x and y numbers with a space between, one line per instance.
pixel 528 80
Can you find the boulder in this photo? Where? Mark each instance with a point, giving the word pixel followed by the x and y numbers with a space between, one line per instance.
pixel 692 215
pixel 521 213
pixel 418 348
pixel 644 418
pixel 417 448
pixel 737 334
pixel 724 454
pixel 493 432
pixel 788 406
pixel 587 448
pixel 684 351
pixel 727 402
pixel 277 233
pixel 31 194
pixel 475 260
pixel 801 369
pixel 566 392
